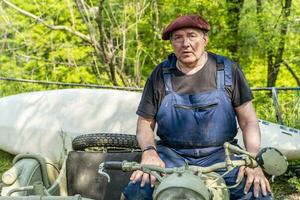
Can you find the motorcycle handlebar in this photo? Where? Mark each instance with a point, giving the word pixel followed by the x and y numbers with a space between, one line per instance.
pixel 246 159
pixel 132 166
pixel 114 165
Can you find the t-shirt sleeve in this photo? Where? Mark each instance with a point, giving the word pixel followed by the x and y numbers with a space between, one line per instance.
pixel 147 108
pixel 241 92
pixel 152 95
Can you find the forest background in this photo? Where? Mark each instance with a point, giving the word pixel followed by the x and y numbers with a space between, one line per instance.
pixel 118 43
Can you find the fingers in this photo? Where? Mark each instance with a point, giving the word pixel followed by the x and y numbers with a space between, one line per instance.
pixel 152 158
pixel 143 177
pixel 152 180
pixel 249 182
pixel 264 186
pixel 241 174
pixel 257 187
pixel 268 185
pixel 145 180
pixel 260 183
pixel 136 176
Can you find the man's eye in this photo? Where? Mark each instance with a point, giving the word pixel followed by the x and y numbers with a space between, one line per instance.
pixel 177 38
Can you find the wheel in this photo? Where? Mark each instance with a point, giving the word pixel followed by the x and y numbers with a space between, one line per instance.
pixel 104 142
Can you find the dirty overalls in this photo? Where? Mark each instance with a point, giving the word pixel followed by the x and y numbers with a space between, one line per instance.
pixel 193 129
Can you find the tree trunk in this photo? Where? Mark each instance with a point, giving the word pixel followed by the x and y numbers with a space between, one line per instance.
pixel 107 54
pixel 273 73
pixel 275 55
pixel 234 8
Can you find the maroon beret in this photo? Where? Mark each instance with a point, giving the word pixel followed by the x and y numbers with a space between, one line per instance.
pixel 186 21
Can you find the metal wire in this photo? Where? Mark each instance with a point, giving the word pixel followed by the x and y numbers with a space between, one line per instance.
pixel 70 84
pixel 117 87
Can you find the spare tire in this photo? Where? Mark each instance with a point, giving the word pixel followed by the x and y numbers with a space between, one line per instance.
pixel 105 140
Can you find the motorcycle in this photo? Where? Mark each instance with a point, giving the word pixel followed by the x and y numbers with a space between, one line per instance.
pixel 202 183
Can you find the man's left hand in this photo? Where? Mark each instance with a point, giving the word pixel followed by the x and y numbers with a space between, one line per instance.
pixel 256 177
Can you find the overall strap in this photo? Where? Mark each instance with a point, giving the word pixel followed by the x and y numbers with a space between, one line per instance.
pixel 224 74
pixel 168 65
pixel 220 77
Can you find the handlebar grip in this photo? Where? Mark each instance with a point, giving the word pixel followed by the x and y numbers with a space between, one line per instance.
pixel 114 165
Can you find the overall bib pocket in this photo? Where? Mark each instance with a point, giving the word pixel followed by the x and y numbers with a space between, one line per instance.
pixel 196 107
pixel 201 113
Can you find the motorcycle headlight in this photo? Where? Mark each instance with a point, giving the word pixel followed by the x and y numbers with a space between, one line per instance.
pixel 181 186
pixel 179 194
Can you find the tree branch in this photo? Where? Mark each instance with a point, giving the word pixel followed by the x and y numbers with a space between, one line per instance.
pixel 91 29
pixel 86 18
pixel 292 72
pixel 53 27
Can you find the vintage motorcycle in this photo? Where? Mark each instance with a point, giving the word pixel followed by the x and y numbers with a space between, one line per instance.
pixel 202 183
pixel 80 177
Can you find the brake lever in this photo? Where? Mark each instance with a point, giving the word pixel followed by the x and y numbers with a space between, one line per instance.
pixel 103 172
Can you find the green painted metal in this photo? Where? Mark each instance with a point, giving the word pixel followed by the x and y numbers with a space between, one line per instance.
pixel 41 197
pixel 183 185
pixel 42 163
pixel 272 161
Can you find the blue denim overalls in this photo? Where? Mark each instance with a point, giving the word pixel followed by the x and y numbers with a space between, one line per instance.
pixel 204 120
pixel 193 128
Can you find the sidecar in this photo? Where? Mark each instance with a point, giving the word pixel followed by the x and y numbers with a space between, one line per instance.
pixel 34 177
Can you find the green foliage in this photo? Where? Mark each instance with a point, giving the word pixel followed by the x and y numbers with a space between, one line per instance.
pixel 264 106
pixel 5 161
pixel 289 102
pixel 33 51
pixel 283 190
pixel 296 182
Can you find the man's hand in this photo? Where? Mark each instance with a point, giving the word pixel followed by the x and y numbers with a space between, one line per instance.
pixel 149 157
pixel 256 177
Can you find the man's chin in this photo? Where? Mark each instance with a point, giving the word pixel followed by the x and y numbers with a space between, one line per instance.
pixel 187 61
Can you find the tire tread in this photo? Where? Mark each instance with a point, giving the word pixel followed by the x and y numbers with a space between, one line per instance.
pixel 114 140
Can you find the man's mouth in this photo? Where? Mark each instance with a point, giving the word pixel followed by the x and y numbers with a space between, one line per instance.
pixel 186 53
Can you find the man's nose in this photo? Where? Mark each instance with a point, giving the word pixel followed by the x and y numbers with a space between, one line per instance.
pixel 186 42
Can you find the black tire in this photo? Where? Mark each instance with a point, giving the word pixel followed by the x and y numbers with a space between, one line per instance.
pixel 105 140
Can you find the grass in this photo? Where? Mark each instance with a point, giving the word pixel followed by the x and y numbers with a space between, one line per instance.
pixel 5 161
pixel 286 187
pixel 289 102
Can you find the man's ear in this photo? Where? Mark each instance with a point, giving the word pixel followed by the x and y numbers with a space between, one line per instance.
pixel 205 38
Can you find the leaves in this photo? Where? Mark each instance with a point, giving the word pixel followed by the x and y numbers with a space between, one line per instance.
pixel 130 46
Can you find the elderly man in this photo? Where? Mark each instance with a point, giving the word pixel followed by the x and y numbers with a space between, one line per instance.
pixel 194 97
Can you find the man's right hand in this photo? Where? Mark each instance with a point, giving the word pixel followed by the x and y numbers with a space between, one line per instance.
pixel 149 157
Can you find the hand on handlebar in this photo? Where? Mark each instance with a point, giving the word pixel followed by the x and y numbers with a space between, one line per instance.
pixel 149 158
pixel 256 177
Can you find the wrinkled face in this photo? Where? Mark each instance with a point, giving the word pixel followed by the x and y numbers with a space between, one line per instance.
pixel 188 45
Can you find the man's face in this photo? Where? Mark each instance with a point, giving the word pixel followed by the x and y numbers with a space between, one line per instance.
pixel 188 45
